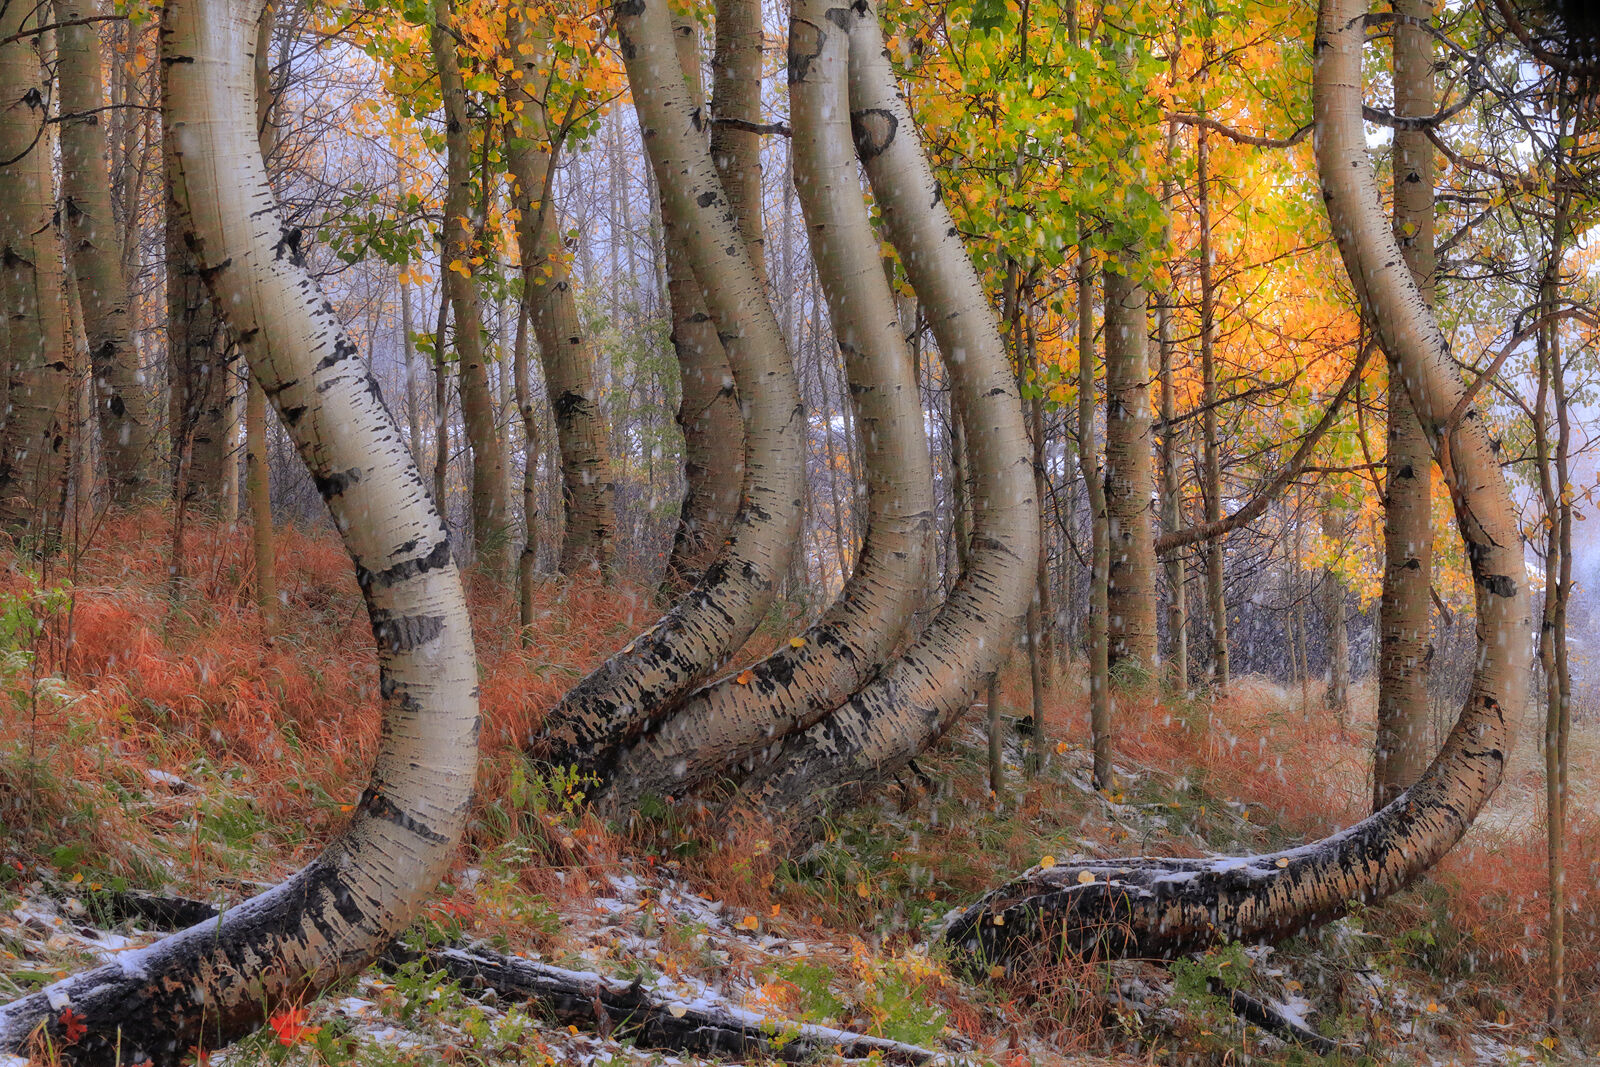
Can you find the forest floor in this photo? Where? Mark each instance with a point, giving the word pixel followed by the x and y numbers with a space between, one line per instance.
pixel 153 743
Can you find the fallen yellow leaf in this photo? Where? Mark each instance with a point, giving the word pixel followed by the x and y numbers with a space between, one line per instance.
pixel 1085 877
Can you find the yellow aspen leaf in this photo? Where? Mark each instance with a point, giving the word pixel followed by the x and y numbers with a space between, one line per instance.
pixel 797 642
pixel 997 971
pixel 744 678
pixel 749 922
pixel 460 268
pixel 1283 862
pixel 677 1011
pixel 1085 877
pixel 999 920
pixel 862 891
pixel 774 911
pixel 1047 862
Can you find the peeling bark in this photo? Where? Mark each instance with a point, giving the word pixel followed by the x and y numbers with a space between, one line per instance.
pixel 1164 907
pixel 218 980
pixel 747 715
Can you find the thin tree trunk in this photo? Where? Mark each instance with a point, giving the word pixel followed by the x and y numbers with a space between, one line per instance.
pixel 747 716
pixel 1100 724
pixel 1162 907
pixel 1172 507
pixel 997 740
pixel 408 343
pixel 642 683
pixel 33 460
pixel 489 511
pixel 528 560
pixel 441 407
pixel 220 979
pixel 582 436
pixel 1216 557
pixel 1401 749
pixel 708 410
pixel 121 404
pixel 1333 610
pixel 1130 471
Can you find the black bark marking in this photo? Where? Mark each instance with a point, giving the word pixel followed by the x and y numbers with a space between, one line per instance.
pixel 379 806
pixel 335 484
pixel 874 131
pixel 404 633
pixel 439 557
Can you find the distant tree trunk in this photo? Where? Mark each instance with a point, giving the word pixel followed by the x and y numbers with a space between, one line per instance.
pixel 997 740
pixel 1333 610
pixel 643 682
pixel 441 407
pixel 736 94
pixel 1039 607
pixel 528 559
pixel 584 440
pixel 1216 556
pixel 408 343
pixel 1144 907
pixel 708 411
pixel 220 979
pixel 1400 750
pixel 1100 723
pixel 489 511
pixel 916 697
pixel 1172 506
pixel 744 718
pixel 33 458
pixel 1557 495
pixel 1130 471
pixel 121 404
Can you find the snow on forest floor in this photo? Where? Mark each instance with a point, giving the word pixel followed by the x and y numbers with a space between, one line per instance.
pixel 639 919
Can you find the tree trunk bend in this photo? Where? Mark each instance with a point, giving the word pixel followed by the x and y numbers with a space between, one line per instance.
pixel 643 682
pixel 738 717
pixel 1163 907
pixel 216 981
pixel 914 699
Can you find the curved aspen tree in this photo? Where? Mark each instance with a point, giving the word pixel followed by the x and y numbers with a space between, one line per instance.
pixel 917 696
pixel 640 683
pixel 1401 750
pixel 1130 469
pixel 738 716
pixel 490 533
pixel 33 446
pixel 1161 907
pixel 216 981
pixel 588 490
pixel 120 402
pixel 708 411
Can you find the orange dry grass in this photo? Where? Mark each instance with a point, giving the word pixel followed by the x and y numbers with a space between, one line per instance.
pixel 172 685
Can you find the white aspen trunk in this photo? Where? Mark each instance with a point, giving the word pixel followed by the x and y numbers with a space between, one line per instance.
pixel 121 404
pixel 34 445
pixel 218 980
pixel 916 697
pixel 1161 907
pixel 642 682
pixel 739 717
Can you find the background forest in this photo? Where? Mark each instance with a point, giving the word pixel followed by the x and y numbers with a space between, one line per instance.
pixel 824 482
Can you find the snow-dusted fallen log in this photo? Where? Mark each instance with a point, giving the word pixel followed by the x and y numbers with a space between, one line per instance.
pixel 1261 1014
pixel 618 1007
pixel 613 1006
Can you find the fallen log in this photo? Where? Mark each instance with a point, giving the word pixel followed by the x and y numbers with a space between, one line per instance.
pixel 652 1020
pixel 611 1006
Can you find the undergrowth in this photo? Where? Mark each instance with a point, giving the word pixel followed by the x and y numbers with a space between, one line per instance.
pixel 153 740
